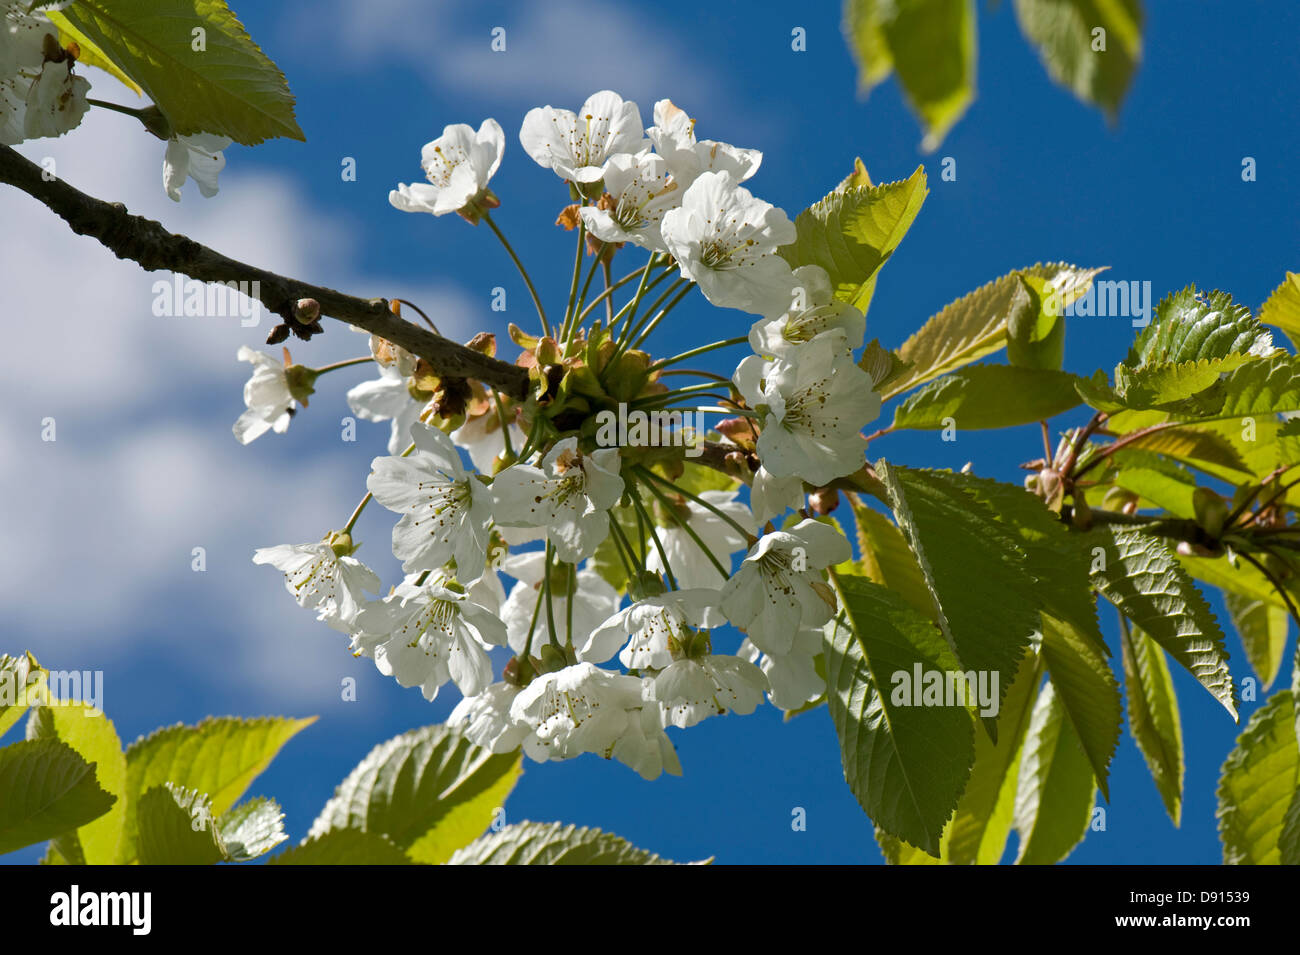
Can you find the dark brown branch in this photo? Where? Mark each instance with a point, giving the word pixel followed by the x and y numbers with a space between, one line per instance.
pixel 146 242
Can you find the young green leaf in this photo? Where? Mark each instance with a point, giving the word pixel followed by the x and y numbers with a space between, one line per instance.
pixel 1282 310
pixel 1054 791
pixel 1153 715
pixel 221 757
pixel 988 396
pixel 196 62
pixel 976 324
pixel 551 843
pixel 251 829
pixel 344 847
pixel 974 567
pixel 1140 575
pixel 1091 47
pixel 91 733
pixel 930 44
pixel 906 763
pixel 409 785
pixel 46 788
pixel 175 827
pixel 1263 626
pixel 887 560
pixel 21 678
pixel 852 233
pixel 977 834
pixel 1088 691
pixel 1258 783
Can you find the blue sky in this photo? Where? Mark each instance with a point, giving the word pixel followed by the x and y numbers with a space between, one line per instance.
pixel 98 572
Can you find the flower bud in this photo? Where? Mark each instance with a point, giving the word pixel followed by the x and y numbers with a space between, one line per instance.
pixel 306 311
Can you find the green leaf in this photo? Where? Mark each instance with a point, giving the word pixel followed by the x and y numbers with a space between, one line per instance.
pixel 1263 626
pixel 1189 326
pixel 1282 310
pixel 881 364
pixel 465 821
pixel 46 788
pixel 227 88
pixel 1258 783
pixel 886 558
pixel 851 233
pixel 988 396
pixel 976 324
pixel 88 731
pixel 20 679
pixel 221 757
pixel 175 827
pixel 1036 328
pixel 251 829
pixel 552 843
pixel 1288 842
pixel 407 786
pixel 905 761
pixel 1262 388
pixel 1088 692
pixel 974 567
pixel 1054 792
pixel 1158 489
pixel 90 55
pixel 1142 577
pixel 930 44
pixel 1243 580
pixel 1153 716
pixel 1203 447
pixel 979 829
pixel 344 847
pixel 1064 33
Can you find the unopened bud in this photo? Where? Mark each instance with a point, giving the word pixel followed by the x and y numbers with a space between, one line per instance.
pixel 306 311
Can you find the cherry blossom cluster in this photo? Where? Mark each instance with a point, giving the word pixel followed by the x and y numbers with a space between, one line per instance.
pixel 490 486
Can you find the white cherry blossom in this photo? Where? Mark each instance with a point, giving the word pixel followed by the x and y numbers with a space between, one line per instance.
pixel 445 510
pixel 689 690
pixel 811 313
pixel 777 589
pixel 578 146
pixel 323 580
pixel 649 626
pixel 198 157
pixel 594 601
pixel 56 101
pixel 691 566
pixel 426 634
pixel 772 496
pixel 388 398
pixel 812 410
pixel 485 719
pixel 644 746
pixel 673 135
pixel 458 165
pixel 642 193
pixel 578 709
pixel 484 440
pixel 570 495
pixel 726 240
pixel 270 403
pixel 792 676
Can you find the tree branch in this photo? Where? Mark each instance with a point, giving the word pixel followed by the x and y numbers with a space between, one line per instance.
pixel 146 242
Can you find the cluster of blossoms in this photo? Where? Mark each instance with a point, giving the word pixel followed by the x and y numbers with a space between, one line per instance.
pixel 42 95
pixel 624 563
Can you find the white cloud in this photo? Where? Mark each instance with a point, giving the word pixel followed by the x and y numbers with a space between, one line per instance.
pixel 562 49
pixel 100 524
